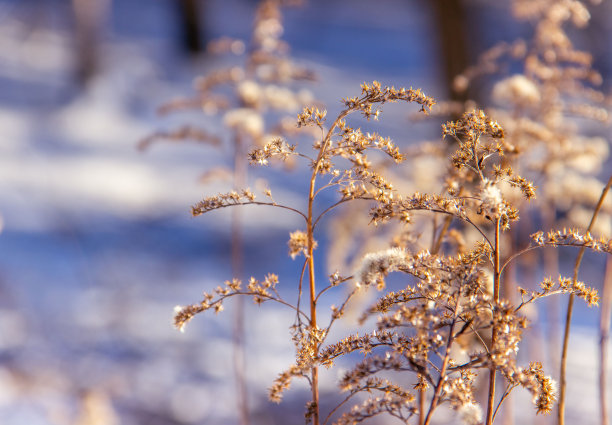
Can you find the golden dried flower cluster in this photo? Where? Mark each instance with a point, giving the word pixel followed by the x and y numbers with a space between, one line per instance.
pixel 274 148
pixel 223 200
pixel 572 237
pixel 260 291
pixel 449 321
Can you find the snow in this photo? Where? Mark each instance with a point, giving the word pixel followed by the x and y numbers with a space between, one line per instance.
pixel 97 245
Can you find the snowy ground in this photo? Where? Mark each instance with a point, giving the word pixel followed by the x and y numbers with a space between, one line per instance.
pixel 97 245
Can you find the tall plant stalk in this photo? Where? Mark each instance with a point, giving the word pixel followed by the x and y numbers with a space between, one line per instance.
pixel 496 286
pixel 239 334
pixel 570 307
pixel 604 332
pixel 310 223
pixel 553 310
pixel 312 291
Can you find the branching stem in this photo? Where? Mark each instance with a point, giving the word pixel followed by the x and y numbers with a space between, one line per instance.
pixel 496 285
pixel 311 271
pixel 443 369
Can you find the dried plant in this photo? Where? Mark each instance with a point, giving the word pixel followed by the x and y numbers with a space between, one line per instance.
pixel 452 318
pixel 253 98
pixel 540 108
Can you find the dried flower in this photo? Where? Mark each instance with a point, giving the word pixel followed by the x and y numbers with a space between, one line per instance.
pixel 298 244
pixel 245 120
pixel 516 89
pixel 471 414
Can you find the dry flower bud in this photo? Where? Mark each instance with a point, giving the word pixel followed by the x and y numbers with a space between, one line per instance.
pixel 298 244
pixel 517 89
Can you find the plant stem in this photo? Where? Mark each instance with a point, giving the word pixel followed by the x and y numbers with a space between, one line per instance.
pixel 313 294
pixel 496 275
pixel 604 331
pixel 422 394
pixel 570 306
pixel 240 177
pixel 311 269
pixel 436 245
pixel 551 269
pixel 505 395
pixel 313 313
pixel 445 361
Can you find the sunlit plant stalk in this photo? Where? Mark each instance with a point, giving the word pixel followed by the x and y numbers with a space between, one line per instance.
pixel 417 326
pixel 309 339
pixel 570 306
pixel 239 334
pixel 604 333
pixel 496 286
pixel 311 265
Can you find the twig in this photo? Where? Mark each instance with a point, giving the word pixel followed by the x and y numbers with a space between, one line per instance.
pixel 240 179
pixel 496 285
pixel 442 380
pixel 505 395
pixel 570 306
pixel 604 332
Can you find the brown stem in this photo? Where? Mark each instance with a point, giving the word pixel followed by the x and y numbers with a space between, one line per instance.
pixel 496 275
pixel 604 332
pixel 422 400
pixel 89 16
pixel 191 25
pixel 440 239
pixel 311 270
pixel 240 177
pixel 509 283
pixel 313 310
pixel 570 306
pixel 505 395
pixel 551 269
pixel 452 30
pixel 436 245
pixel 442 380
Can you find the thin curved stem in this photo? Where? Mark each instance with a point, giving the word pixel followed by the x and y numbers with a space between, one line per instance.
pixel 466 219
pixel 333 319
pixel 331 183
pixel 331 207
pixel 518 254
pixel 327 288
pixel 304 156
pixel 438 243
pixel 299 300
pixel 335 409
pixel 604 332
pixel 570 307
pixel 442 380
pixel 270 204
pixel 509 388
pixel 482 341
pixel 267 297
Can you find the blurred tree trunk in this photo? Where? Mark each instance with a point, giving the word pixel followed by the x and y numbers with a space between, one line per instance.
pixel 89 16
pixel 191 25
pixel 451 24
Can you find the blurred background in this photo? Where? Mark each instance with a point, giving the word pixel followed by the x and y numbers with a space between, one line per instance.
pixel 97 243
